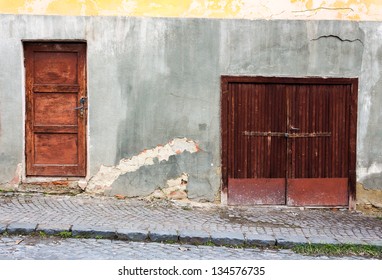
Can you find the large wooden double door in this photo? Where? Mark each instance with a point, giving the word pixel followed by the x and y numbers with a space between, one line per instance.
pixel 289 140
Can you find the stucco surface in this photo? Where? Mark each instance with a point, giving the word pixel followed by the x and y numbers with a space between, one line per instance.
pixel 239 9
pixel 151 80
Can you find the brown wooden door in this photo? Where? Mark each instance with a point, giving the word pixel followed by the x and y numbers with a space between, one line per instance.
pixel 55 120
pixel 288 141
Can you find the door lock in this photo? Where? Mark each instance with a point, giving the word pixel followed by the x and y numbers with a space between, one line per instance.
pixel 81 108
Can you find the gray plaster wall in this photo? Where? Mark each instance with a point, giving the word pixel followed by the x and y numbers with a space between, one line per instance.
pixel 151 80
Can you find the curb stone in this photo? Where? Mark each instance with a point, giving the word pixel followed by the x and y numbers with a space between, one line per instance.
pixel 194 237
pixel 317 240
pixel 259 239
pixel 375 243
pixel 3 227
pixel 94 232
pixel 351 241
pixel 227 238
pixel 164 236
pixel 53 229
pixel 290 241
pixel 21 228
pixel 132 235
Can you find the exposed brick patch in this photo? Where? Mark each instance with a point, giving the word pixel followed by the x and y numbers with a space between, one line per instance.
pixel 105 177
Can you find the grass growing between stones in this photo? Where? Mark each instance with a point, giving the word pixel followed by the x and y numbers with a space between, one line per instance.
pixel 42 234
pixel 209 243
pixel 65 234
pixel 170 242
pixel 339 250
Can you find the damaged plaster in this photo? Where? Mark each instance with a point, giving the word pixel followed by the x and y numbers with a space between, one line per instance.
pixel 107 175
pixel 15 182
pixel 249 9
pixel 369 197
pixel 174 189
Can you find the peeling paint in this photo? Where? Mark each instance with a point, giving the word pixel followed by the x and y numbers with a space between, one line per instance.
pixel 174 189
pixel 14 183
pixel 374 168
pixel 248 9
pixel 108 174
pixel 17 178
pixel 368 197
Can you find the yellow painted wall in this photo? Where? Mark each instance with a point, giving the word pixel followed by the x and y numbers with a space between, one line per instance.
pixel 248 9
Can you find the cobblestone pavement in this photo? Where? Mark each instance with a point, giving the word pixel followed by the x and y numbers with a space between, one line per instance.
pixel 138 220
pixel 53 248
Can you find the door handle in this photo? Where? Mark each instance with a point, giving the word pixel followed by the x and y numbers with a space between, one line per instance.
pixel 81 108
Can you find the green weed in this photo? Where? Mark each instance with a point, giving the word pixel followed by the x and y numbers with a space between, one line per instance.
pixel 209 243
pixel 42 234
pixel 339 250
pixel 65 234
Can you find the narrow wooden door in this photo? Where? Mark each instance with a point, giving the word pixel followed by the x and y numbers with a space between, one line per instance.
pixel 289 140
pixel 256 151
pixel 319 143
pixel 55 109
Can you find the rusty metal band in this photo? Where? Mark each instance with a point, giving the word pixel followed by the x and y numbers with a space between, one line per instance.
pixel 286 135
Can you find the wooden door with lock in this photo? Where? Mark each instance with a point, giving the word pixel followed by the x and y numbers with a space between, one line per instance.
pixel 289 141
pixel 56 108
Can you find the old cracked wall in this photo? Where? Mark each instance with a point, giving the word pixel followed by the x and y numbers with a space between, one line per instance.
pixel 152 81
pixel 239 9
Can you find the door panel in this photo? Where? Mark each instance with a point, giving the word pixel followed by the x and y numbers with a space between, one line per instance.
pixel 261 191
pixel 63 104
pixel 55 128
pixel 292 134
pixel 256 155
pixel 319 145
pixel 318 192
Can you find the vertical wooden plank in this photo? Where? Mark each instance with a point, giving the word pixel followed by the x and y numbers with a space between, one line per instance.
pixel 308 147
pixel 245 128
pixel 29 139
pixel 82 81
pixel 353 141
pixel 326 128
pixel 262 120
pixel 318 129
pixel 289 108
pixel 224 129
pixel 231 151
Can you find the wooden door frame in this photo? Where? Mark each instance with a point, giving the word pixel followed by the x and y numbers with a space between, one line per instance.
pixel 37 178
pixel 353 111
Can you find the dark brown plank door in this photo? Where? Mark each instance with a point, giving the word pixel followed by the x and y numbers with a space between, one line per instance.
pixel 319 144
pixel 289 140
pixel 256 146
pixel 55 129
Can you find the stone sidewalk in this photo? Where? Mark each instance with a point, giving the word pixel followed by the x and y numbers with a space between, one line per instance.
pixel 174 221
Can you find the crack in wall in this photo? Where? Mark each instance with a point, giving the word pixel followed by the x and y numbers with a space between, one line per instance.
pixel 324 8
pixel 107 175
pixel 338 38
pixel 346 11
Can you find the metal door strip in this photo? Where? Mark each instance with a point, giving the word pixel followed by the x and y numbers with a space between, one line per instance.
pixel 287 135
